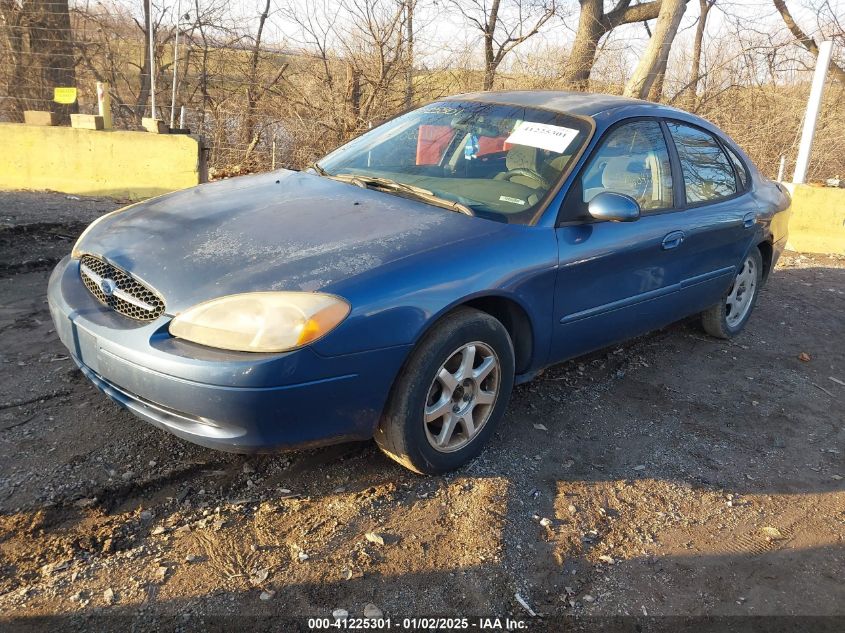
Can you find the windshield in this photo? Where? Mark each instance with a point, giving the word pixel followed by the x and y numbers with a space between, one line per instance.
pixel 499 161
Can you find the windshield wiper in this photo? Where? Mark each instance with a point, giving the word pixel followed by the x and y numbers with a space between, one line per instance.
pixel 392 185
pixel 316 167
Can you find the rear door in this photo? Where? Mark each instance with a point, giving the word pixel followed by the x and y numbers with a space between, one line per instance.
pixel 719 216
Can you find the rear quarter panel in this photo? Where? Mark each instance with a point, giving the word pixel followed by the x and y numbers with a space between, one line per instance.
pixel 775 208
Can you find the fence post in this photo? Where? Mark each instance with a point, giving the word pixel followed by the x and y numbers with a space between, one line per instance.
pixel 175 63
pixel 104 104
pixel 812 114
pixel 152 62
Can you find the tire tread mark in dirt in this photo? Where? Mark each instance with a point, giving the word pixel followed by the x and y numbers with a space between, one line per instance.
pixel 69 230
pixel 108 498
pixel 35 231
pixel 49 396
pixel 19 423
pixel 29 266
pixel 755 544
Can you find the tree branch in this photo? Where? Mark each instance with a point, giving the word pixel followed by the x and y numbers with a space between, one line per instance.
pixel 805 40
pixel 624 14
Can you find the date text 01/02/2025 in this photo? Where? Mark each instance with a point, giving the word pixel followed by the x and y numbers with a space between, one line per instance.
pixel 420 623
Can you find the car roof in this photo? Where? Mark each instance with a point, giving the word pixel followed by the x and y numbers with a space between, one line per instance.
pixel 579 103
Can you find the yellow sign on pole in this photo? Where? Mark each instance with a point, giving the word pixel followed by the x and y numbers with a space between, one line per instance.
pixel 64 95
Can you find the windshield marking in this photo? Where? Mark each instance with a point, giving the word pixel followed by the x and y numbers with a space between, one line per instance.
pixel 554 138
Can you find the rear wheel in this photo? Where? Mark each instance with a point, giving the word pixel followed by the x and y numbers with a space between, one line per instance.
pixel 450 395
pixel 727 318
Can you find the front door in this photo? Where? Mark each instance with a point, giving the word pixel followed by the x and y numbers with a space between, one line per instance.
pixel 617 280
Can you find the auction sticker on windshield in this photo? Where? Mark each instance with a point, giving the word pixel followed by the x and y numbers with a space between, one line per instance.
pixel 554 138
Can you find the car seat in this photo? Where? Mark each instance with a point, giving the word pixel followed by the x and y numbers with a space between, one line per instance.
pixel 523 168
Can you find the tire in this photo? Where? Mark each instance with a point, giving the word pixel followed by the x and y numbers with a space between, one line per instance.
pixel 728 317
pixel 412 423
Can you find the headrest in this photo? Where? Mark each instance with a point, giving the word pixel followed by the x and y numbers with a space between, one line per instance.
pixel 521 157
pixel 558 162
pixel 553 167
pixel 623 174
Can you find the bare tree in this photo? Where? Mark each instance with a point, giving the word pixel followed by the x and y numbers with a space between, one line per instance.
pixel 145 92
pixel 704 7
pixel 593 24
pixel 39 42
pixel 104 59
pixel 256 85
pixel 374 43
pixel 805 40
pixel 504 25
pixel 14 55
pixel 347 64
pixel 656 55
pixel 356 71
pixel 51 37
pixel 409 52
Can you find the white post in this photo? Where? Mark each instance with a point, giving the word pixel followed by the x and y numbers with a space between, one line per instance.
pixel 152 63
pixel 812 114
pixel 781 167
pixel 104 104
pixel 182 118
pixel 175 62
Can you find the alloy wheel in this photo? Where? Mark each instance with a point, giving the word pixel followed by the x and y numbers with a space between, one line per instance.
pixel 741 294
pixel 462 397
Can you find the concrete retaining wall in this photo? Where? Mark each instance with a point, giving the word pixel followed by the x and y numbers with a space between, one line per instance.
pixel 817 223
pixel 113 163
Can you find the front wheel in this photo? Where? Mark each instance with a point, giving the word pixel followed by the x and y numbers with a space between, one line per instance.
pixel 450 395
pixel 728 317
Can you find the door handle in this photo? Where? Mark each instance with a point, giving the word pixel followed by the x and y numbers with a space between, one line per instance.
pixel 672 240
pixel 749 219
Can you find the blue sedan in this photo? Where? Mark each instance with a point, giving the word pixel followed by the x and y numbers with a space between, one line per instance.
pixel 400 287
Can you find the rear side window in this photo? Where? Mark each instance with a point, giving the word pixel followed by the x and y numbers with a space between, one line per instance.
pixel 632 159
pixel 739 168
pixel 708 173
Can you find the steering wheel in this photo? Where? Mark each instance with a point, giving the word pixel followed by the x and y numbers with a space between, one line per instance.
pixel 526 173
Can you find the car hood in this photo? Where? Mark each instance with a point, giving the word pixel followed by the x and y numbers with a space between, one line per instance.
pixel 283 230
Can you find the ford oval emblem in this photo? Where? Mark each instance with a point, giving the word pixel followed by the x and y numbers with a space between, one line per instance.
pixel 108 287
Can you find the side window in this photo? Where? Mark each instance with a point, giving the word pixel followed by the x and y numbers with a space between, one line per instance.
pixel 739 168
pixel 708 174
pixel 632 160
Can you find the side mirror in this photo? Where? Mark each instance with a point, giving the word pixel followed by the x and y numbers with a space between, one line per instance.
pixel 615 207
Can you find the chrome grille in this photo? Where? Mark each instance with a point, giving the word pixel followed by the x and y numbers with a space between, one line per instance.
pixel 119 290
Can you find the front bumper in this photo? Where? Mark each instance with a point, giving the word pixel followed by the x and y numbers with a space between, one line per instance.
pixel 234 401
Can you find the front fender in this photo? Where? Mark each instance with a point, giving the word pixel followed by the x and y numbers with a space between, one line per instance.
pixel 396 304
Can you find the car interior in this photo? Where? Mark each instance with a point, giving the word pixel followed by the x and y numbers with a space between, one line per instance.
pixel 523 174
pixel 462 153
pixel 632 161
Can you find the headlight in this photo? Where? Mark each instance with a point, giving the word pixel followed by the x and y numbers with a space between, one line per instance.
pixel 261 321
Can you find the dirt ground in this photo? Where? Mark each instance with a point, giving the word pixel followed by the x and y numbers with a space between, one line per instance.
pixel 674 475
